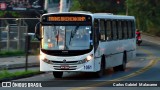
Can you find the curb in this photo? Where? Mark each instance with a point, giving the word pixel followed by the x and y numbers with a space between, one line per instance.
pixel 17 66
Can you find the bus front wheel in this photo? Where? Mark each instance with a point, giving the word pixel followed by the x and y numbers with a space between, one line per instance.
pixel 102 68
pixel 58 74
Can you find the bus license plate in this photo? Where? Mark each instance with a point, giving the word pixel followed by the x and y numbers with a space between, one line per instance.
pixel 64 67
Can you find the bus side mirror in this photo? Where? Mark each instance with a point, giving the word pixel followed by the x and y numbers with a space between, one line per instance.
pixel 37 31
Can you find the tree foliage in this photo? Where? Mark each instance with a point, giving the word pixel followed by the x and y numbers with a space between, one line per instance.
pixel 147 13
pixel 107 6
pixel 10 14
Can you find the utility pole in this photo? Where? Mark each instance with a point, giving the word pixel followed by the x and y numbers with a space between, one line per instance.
pixel 8 36
pixel 127 9
pixel 63 6
pixel 46 5
pixel 18 32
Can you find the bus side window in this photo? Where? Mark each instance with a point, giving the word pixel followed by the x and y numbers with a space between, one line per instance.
pixel 102 30
pixel 125 30
pixel 114 30
pixel 129 30
pixel 120 30
pixel 108 30
pixel 133 29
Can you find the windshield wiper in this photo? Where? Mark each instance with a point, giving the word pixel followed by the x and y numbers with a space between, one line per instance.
pixel 66 47
pixel 57 37
pixel 72 34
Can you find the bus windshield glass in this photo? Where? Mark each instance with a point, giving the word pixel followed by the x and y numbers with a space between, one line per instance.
pixel 66 37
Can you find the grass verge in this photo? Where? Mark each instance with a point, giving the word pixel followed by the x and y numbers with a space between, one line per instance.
pixel 11 53
pixel 7 76
pixel 18 53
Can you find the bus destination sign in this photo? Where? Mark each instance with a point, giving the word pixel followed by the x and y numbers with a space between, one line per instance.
pixel 67 18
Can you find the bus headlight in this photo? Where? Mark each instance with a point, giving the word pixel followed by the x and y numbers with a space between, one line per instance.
pixel 89 57
pixel 42 56
pixel 47 61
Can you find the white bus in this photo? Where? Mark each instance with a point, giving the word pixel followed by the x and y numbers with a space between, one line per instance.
pixel 85 42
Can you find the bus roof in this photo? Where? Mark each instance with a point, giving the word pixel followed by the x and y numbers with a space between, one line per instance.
pixel 97 15
pixel 111 16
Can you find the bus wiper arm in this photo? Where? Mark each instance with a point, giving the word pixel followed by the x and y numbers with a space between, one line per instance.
pixel 70 38
pixel 72 34
pixel 57 37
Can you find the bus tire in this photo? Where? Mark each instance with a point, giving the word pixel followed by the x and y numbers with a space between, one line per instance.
pixel 121 67
pixel 116 68
pixel 102 68
pixel 58 74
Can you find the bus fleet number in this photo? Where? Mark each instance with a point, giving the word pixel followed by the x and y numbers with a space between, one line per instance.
pixel 87 67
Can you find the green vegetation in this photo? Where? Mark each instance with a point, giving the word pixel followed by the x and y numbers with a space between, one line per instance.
pixel 8 75
pixel 10 14
pixel 107 6
pixel 147 12
pixel 11 53
pixel 76 6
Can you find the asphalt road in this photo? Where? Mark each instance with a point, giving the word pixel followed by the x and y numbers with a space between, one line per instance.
pixel 146 67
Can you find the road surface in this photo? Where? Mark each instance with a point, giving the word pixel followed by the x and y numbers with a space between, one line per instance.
pixel 146 67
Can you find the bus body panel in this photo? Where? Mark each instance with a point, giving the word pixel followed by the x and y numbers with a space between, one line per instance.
pixel 88 67
pixel 57 62
pixel 112 50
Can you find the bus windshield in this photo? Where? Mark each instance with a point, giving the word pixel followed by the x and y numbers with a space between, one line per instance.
pixel 66 37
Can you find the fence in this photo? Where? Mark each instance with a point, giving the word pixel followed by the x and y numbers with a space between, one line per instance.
pixel 13 31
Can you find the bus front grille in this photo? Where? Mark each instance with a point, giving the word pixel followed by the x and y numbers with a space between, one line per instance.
pixel 68 62
pixel 70 68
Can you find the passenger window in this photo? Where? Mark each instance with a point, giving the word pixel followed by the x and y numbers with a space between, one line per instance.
pixel 129 30
pixel 133 29
pixel 114 30
pixel 109 30
pixel 125 30
pixel 102 30
pixel 120 30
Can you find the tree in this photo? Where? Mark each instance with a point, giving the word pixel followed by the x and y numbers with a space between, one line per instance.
pixel 11 14
pixel 147 13
pixel 107 6
pixel 17 14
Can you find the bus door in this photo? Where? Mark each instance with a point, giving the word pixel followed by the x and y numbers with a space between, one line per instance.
pixel 96 34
